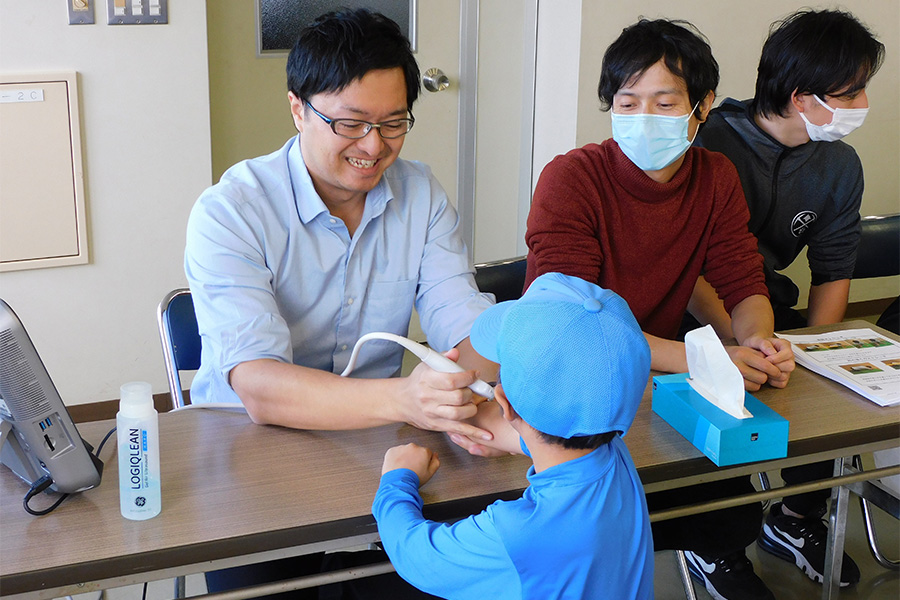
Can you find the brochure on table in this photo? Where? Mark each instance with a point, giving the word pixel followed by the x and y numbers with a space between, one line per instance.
pixel 866 362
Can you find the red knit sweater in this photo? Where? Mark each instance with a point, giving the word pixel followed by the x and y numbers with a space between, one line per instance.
pixel 595 215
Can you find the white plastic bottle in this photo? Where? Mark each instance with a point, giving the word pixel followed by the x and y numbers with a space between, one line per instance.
pixel 137 430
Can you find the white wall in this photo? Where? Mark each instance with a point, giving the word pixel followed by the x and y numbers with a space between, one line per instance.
pixel 145 131
pixel 736 32
pixel 146 140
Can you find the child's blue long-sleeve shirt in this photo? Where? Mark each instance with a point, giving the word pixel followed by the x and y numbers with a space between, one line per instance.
pixel 580 530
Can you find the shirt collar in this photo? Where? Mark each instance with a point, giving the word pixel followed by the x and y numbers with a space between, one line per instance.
pixel 310 205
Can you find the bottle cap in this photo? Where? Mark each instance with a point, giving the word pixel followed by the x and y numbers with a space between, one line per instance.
pixel 136 397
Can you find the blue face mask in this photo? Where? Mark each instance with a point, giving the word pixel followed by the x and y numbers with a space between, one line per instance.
pixel 652 142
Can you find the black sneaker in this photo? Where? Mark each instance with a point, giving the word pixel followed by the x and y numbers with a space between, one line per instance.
pixel 728 578
pixel 802 542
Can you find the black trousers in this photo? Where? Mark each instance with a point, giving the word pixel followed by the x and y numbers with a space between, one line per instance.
pixel 716 533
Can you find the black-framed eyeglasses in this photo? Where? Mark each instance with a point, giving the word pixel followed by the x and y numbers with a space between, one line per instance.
pixel 355 129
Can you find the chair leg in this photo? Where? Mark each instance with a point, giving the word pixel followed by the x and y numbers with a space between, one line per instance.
pixel 871 535
pixel 765 485
pixel 681 561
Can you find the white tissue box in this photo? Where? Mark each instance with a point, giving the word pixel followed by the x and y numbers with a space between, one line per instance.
pixel 724 439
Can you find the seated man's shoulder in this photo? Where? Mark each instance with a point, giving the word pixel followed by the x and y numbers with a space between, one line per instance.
pixel 716 160
pixel 256 181
pixel 585 158
pixel 728 124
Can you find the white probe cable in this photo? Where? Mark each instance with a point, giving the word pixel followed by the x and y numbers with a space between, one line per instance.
pixel 435 360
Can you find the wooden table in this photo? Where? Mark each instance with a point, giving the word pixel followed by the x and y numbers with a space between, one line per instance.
pixel 236 493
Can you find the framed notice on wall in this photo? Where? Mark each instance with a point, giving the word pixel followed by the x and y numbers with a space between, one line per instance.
pixel 279 21
pixel 42 212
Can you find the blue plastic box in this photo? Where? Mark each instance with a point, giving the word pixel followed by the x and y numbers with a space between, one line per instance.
pixel 724 439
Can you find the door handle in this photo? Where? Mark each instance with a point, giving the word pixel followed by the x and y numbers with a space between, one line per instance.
pixel 434 80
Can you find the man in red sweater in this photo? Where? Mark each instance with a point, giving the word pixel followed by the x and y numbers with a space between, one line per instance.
pixel 644 214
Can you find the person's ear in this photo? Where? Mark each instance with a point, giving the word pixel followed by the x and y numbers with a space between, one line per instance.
pixel 705 106
pixel 798 101
pixel 297 106
pixel 509 413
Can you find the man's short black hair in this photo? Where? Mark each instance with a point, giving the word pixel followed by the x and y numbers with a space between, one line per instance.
pixel 340 47
pixel 825 52
pixel 579 442
pixel 684 49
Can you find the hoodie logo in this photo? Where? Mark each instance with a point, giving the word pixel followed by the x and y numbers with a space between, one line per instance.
pixel 802 221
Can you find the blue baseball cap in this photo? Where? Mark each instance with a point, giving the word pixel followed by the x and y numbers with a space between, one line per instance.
pixel 573 359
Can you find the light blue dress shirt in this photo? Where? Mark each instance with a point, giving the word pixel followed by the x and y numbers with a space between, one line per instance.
pixel 581 530
pixel 274 275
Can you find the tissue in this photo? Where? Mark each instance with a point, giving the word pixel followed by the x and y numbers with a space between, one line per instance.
pixel 712 374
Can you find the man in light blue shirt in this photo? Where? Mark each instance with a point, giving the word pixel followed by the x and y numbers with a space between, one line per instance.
pixel 293 256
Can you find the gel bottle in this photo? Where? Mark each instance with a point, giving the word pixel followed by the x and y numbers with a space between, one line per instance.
pixel 137 430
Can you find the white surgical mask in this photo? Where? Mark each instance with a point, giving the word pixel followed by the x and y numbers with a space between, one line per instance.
pixel 843 121
pixel 652 142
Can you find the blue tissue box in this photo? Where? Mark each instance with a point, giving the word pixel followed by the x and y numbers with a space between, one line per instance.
pixel 724 439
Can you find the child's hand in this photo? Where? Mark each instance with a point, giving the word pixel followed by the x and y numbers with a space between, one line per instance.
pixel 422 461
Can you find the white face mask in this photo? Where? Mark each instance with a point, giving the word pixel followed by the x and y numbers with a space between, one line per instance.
pixel 843 121
pixel 652 142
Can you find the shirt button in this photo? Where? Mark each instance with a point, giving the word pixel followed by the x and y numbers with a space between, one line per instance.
pixel 333 221
pixel 344 347
pixel 350 301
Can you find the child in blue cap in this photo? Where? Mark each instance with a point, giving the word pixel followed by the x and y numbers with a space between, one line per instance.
pixel 573 368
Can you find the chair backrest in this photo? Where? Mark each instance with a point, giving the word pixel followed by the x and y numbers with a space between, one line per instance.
pixel 879 247
pixel 503 278
pixel 180 339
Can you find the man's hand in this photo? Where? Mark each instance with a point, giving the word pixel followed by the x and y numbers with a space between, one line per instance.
pixel 778 352
pixel 763 360
pixel 505 438
pixel 422 461
pixel 753 326
pixel 441 401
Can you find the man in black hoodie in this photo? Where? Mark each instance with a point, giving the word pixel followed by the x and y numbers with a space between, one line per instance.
pixel 804 187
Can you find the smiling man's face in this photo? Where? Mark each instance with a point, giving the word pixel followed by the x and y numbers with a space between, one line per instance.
pixel 342 169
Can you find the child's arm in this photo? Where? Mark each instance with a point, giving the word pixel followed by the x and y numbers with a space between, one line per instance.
pixel 438 558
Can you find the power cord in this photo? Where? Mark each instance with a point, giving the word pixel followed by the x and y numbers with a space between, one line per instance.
pixel 44 482
pixel 103 442
pixel 36 488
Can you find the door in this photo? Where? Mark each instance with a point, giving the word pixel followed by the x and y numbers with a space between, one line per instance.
pixel 476 133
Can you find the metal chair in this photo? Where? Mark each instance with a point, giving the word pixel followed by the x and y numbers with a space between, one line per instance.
pixel 503 278
pixel 878 256
pixel 180 339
